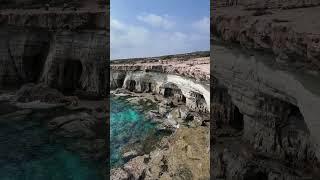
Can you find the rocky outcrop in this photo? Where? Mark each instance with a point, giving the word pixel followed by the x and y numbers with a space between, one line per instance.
pixel 181 156
pixel 40 92
pixel 66 50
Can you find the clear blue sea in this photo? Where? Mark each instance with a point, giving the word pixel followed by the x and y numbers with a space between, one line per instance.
pixel 129 125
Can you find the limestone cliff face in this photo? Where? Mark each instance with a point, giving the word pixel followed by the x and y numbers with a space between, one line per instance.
pixel 64 49
pixel 265 92
pixel 195 95
pixel 171 78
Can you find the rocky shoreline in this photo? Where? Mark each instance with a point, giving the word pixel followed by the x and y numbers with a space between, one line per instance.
pixel 184 153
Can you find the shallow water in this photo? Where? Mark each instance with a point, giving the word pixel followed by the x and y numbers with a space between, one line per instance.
pixel 27 152
pixel 128 125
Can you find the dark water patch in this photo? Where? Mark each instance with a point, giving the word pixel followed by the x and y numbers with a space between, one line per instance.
pixel 28 151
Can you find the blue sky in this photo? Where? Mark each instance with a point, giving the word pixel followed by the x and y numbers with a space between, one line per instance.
pixel 144 28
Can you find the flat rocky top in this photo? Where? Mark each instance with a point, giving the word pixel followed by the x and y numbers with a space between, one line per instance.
pixel 195 67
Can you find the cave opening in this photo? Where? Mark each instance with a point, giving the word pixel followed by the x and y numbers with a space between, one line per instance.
pixel 200 103
pixel 71 76
pixel 293 130
pixel 131 85
pixel 33 67
pixel 175 93
pixel 168 92
pixel 149 87
pixel 200 98
pixel 296 120
pixel 183 99
pixel 237 118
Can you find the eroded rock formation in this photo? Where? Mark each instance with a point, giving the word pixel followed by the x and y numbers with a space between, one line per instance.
pixel 65 49
pixel 196 96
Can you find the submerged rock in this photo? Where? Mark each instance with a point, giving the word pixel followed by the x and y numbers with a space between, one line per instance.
pixel 43 93
pixel 74 125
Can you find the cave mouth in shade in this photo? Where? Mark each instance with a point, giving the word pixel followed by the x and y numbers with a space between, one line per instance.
pixel 28 153
pixel 129 126
pixel 72 73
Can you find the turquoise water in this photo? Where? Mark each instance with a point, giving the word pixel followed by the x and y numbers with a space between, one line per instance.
pixel 128 125
pixel 27 152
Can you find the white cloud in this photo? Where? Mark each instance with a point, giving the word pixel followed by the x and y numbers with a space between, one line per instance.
pixel 128 41
pixel 156 20
pixel 202 25
pixel 115 24
pixel 122 35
